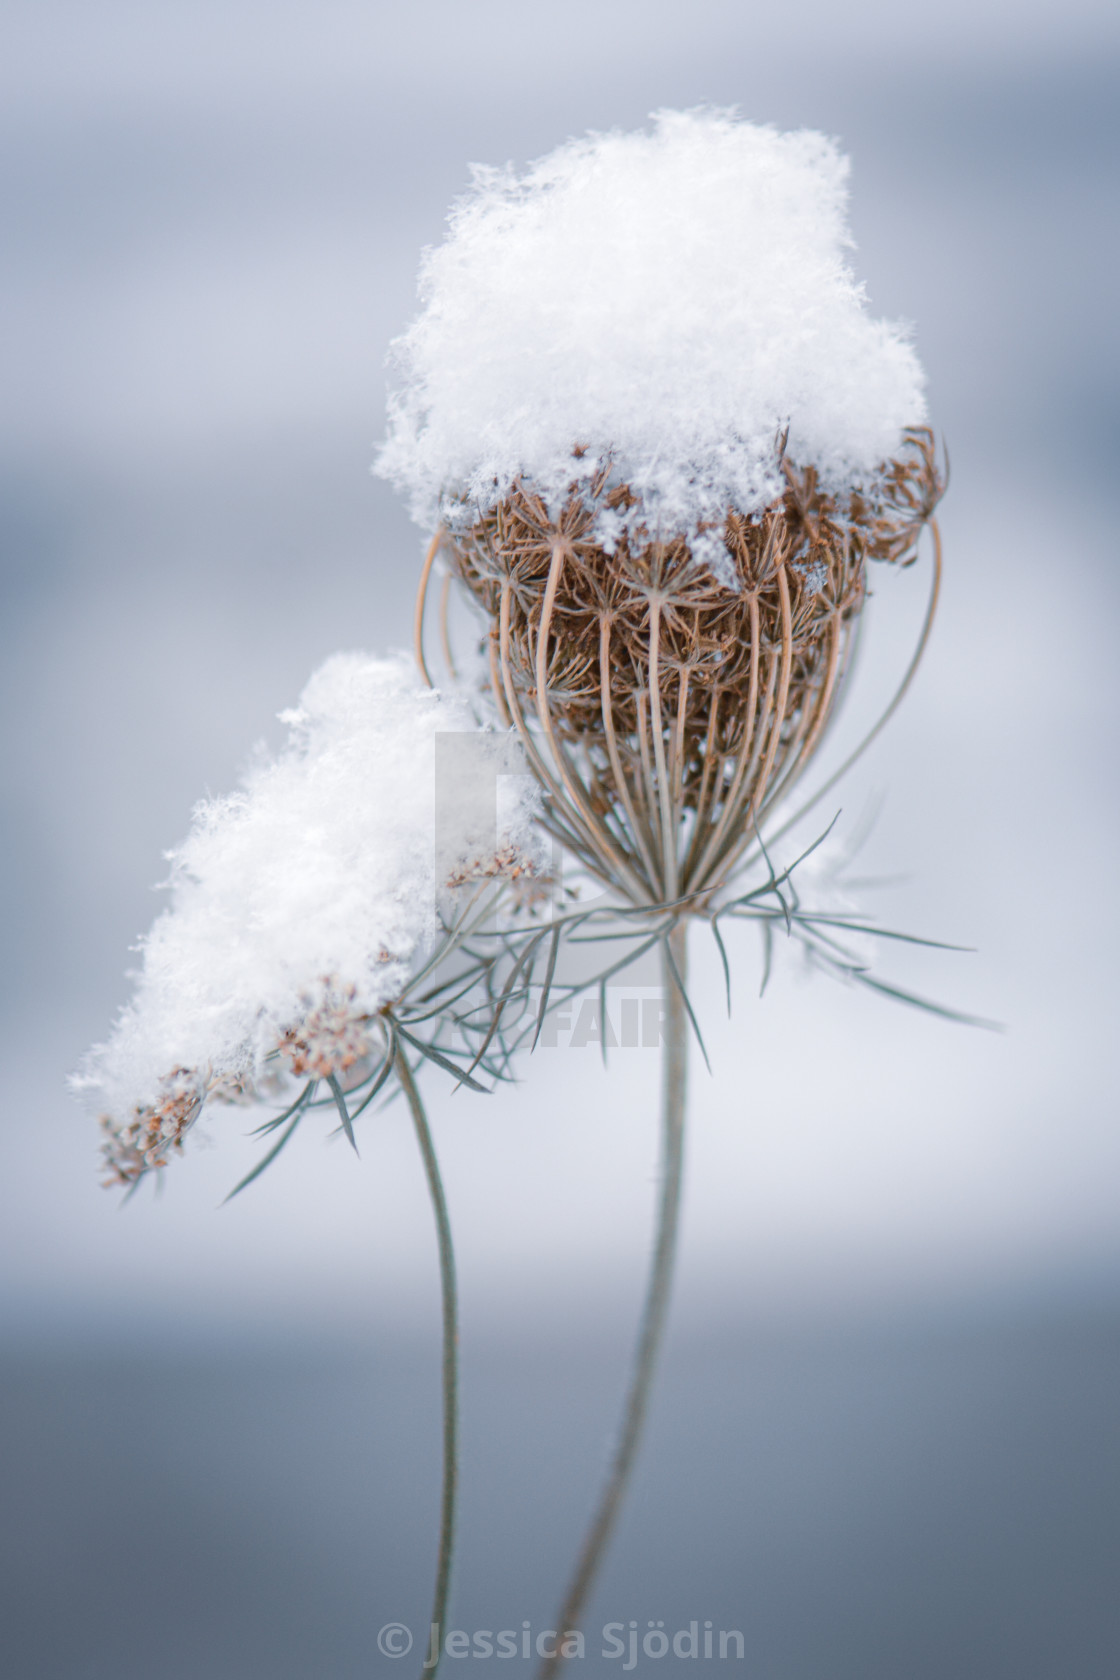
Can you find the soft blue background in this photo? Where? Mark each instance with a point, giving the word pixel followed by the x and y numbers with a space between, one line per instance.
pixel 885 1443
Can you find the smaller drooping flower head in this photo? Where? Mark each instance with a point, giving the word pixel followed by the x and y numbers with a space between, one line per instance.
pixel 301 904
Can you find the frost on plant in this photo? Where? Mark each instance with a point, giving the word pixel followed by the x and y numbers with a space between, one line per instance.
pixel 299 907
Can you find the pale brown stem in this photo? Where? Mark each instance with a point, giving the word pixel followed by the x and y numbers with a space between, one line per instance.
pixel 649 793
pixel 496 683
pixel 757 784
pixel 754 733
pixel 571 838
pixel 444 636
pixel 421 599
pixel 899 694
pixel 599 836
pixel 707 778
pixel 664 792
pixel 678 739
pixel 813 719
pixel 783 683
pixel 613 754
pixel 746 755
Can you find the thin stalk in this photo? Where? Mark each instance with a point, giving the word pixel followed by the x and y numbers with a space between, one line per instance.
pixel 601 839
pixel 421 601
pixel 751 745
pixel 444 631
pixel 665 792
pixel 758 788
pixel 620 778
pixel 569 826
pixel 707 779
pixel 674 1081
pixel 811 724
pixel 678 739
pixel 896 699
pixel 450 1299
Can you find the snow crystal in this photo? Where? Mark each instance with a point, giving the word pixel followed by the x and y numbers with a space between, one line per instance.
pixel 317 880
pixel 672 302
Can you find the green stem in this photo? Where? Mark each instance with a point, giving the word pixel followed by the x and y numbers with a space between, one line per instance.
pixel 449 1294
pixel 674 1079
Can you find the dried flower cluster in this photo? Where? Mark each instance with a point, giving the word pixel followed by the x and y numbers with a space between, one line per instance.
pixel 669 713
pixel 302 905
pixel 146 1139
pixel 333 1038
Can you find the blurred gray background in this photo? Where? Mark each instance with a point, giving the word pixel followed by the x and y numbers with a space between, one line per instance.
pixel 886 1440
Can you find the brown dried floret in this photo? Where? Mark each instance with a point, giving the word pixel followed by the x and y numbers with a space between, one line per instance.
pixel 676 711
pixel 333 1037
pixel 145 1141
pixel 508 863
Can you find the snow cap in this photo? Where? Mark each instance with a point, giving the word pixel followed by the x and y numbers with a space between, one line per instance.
pixel 315 882
pixel 673 300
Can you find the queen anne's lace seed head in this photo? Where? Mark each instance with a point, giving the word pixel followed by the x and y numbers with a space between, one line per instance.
pixel 670 305
pixel 300 906
pixel 661 437
pixel 677 712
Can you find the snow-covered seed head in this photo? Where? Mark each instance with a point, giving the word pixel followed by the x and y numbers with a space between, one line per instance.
pixel 671 304
pixel 302 904
pixel 662 437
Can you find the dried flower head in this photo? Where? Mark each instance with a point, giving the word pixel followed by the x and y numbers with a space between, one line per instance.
pixel 671 713
pixel 302 904
pixel 662 438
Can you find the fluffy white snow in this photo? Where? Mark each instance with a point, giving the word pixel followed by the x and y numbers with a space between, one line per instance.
pixel 672 300
pixel 316 880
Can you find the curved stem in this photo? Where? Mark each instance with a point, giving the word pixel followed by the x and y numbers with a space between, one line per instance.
pixel 600 837
pixel 444 632
pixel 896 700
pixel 674 1080
pixel 564 815
pixel 753 731
pixel 621 783
pixel 421 602
pixel 449 1293
pixel 664 792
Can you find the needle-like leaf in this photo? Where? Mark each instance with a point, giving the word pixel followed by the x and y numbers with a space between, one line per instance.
pixel 344 1112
